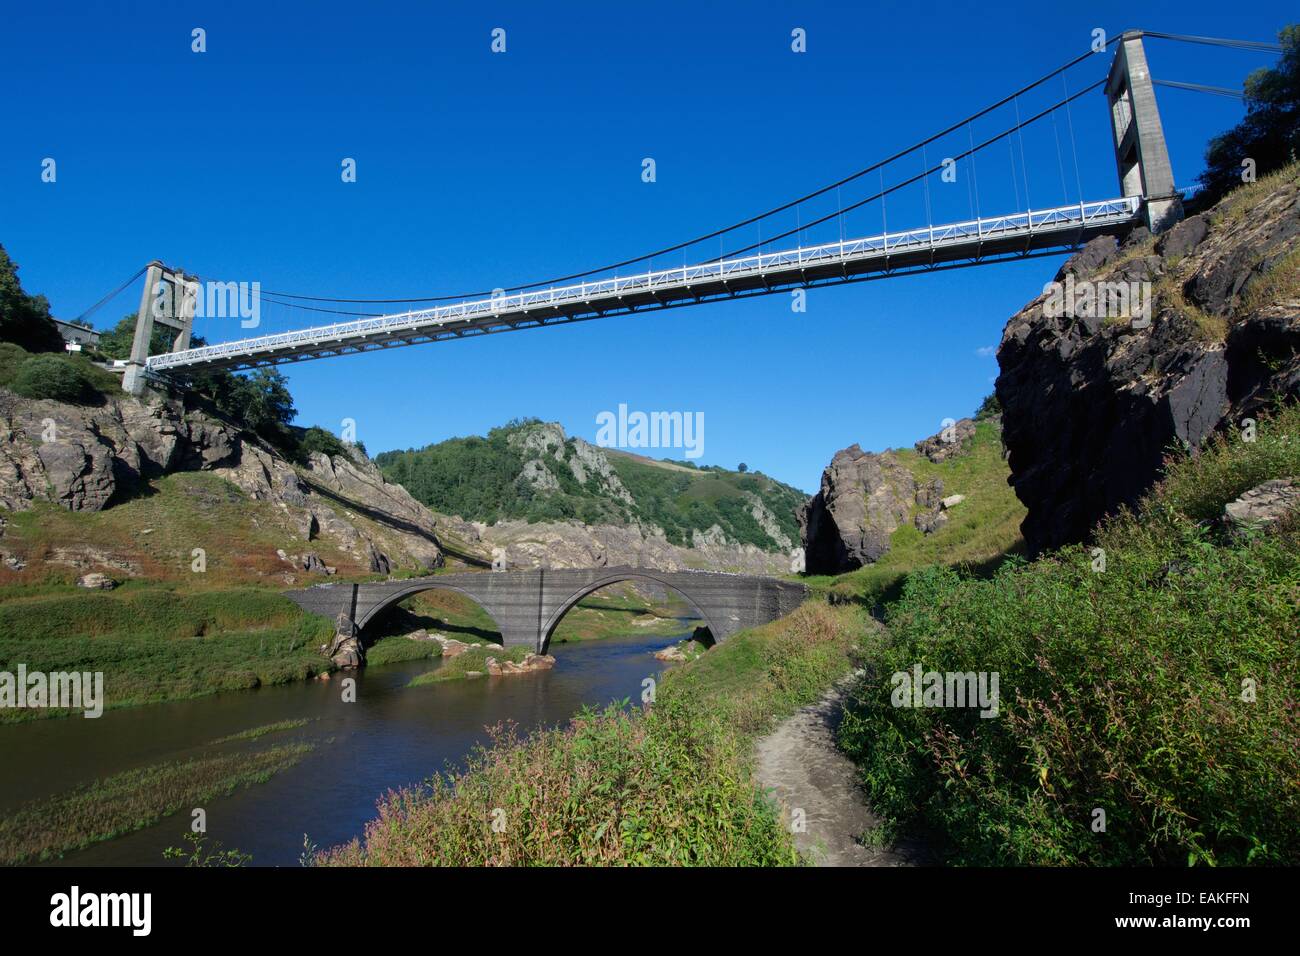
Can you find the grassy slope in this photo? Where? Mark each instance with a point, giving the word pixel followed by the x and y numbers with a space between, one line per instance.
pixel 157 530
pixel 1122 689
pixel 174 632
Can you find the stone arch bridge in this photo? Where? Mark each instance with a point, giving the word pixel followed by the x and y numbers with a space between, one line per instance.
pixel 527 605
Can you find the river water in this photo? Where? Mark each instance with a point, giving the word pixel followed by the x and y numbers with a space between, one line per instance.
pixel 392 736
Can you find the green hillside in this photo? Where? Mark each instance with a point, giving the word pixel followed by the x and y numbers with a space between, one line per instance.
pixel 487 479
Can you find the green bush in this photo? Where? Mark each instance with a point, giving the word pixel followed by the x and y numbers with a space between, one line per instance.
pixel 12 356
pixel 54 377
pixel 1121 689
pixel 317 441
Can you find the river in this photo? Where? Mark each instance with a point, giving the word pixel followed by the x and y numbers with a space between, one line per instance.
pixel 392 736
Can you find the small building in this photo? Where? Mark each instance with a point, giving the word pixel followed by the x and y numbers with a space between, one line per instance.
pixel 77 334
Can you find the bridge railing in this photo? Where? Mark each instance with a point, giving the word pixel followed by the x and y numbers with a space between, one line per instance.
pixel 1058 219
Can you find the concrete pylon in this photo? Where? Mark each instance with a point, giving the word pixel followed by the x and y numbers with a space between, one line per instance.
pixel 133 380
pixel 169 298
pixel 1141 155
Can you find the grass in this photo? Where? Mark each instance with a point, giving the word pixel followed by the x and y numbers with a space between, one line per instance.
pixel 253 733
pixel 980 530
pixel 1121 690
pixel 1279 284
pixel 132 800
pixel 1245 198
pixel 156 643
pixel 620 609
pixel 667 784
pixel 397 649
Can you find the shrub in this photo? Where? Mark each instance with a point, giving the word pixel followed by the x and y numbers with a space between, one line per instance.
pixel 318 441
pixel 54 377
pixel 12 355
pixel 1120 689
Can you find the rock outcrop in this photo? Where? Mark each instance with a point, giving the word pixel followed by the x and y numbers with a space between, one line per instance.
pixel 1091 404
pixel 949 442
pixel 1263 506
pixel 508 668
pixel 864 497
pixel 81 457
pixel 88 458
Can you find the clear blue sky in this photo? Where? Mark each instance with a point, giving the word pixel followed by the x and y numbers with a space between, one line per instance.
pixel 478 170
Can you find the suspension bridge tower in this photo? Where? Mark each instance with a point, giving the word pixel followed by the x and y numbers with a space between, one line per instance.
pixel 1140 150
pixel 169 300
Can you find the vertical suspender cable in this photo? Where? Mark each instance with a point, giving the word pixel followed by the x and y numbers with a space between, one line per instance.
pixel 1060 160
pixel 975 180
pixel 1074 147
pixel 1024 169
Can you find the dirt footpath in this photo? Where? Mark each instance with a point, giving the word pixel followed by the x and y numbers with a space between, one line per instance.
pixel 803 768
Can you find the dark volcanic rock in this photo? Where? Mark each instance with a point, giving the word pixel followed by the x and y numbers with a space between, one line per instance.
pixel 1184 237
pixel 1095 254
pixel 1091 405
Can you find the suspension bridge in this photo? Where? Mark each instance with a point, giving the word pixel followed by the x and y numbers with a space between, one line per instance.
pixel 782 261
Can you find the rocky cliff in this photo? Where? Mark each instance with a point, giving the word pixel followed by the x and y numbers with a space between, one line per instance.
pixel 1093 400
pixel 92 458
pixel 329 515
pixel 570 544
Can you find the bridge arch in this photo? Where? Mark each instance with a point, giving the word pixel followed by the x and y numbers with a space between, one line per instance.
pixel 419 586
pixel 616 576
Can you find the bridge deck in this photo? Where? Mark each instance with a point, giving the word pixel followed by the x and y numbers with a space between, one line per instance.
pixel 976 241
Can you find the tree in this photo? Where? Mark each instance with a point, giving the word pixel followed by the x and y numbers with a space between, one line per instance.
pixel 1270 132
pixel 116 342
pixel 989 408
pixel 259 401
pixel 25 319
pixel 742 468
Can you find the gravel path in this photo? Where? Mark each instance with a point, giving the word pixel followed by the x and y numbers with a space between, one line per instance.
pixel 800 763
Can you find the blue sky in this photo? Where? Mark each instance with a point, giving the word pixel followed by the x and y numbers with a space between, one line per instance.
pixel 477 170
